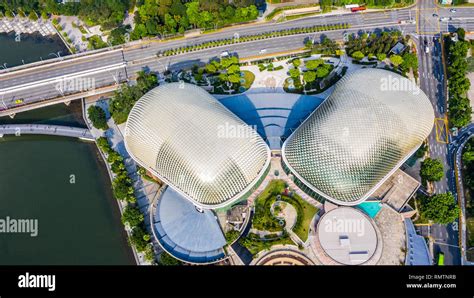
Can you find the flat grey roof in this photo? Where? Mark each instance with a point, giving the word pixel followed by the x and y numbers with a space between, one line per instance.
pixel 347 235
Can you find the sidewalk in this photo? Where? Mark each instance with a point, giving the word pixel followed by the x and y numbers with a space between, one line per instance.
pixel 145 191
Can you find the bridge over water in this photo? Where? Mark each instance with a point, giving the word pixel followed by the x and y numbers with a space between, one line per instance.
pixel 46 129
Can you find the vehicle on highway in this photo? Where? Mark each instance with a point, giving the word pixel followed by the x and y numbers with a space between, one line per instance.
pixel 453 10
pixel 263 51
pixel 427 49
pixel 19 101
pixel 225 54
pixel 444 19
pixel 441 259
pixel 435 15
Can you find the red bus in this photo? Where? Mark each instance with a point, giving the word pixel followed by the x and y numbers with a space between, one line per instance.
pixel 356 9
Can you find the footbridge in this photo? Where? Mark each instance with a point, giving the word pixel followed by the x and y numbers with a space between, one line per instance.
pixel 46 129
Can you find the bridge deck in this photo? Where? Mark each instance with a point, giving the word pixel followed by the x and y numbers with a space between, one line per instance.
pixel 45 129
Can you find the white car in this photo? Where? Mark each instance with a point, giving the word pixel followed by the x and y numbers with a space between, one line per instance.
pixel 263 51
pixel 224 54
pixel 453 10
pixel 427 50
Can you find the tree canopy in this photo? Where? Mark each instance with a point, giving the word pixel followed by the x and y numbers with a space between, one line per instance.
pixel 97 117
pixel 431 170
pixel 440 208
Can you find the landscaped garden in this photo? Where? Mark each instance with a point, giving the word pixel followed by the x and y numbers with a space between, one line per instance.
pixel 255 244
pixel 390 47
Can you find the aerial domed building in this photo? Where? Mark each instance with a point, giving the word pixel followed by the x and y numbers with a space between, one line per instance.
pixel 363 132
pixel 189 140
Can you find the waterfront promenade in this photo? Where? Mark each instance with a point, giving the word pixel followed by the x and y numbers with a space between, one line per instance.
pixel 45 129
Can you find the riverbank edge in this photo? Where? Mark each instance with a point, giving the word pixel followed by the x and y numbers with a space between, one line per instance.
pixel 109 172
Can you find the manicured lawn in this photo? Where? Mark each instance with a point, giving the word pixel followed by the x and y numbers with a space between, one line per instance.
pixel 306 212
pixel 264 219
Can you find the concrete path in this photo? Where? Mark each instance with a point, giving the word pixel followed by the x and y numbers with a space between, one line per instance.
pixel 44 129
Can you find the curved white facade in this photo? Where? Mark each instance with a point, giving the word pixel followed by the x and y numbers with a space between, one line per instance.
pixel 372 122
pixel 194 144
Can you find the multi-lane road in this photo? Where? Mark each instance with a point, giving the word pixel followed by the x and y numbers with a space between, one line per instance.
pixel 35 84
pixel 425 21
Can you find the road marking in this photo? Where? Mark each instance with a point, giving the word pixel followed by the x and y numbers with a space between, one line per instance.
pixel 63 77
pixel 441 125
pixel 446 244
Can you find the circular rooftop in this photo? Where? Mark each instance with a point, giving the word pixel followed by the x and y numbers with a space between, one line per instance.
pixel 193 143
pixel 184 231
pixel 347 236
pixel 372 123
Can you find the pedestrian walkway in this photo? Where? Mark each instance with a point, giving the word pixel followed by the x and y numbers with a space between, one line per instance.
pixel 45 129
pixel 145 191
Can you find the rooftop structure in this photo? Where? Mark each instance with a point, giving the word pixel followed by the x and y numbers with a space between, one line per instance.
pixel 347 236
pixel 358 137
pixel 187 233
pixel 193 143
pixel 397 190
pixel 417 250
pixel 284 257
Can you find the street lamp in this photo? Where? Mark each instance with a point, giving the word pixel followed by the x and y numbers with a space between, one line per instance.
pixel 57 55
pixel 3 102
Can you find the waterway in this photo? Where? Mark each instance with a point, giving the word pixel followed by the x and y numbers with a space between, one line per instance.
pixel 63 184
pixel 29 48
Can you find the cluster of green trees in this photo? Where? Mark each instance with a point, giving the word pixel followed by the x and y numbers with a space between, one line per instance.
pixel 123 190
pixel 231 236
pixel 122 184
pixel 167 260
pixel 440 208
pixel 108 14
pixel 96 42
pixel 326 47
pixel 421 151
pixel 378 47
pixel 164 17
pixel 316 70
pixel 468 175
pixel 373 44
pixel 246 38
pixel 431 170
pixel 460 109
pixel 126 97
pixel 228 69
pixel 97 117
